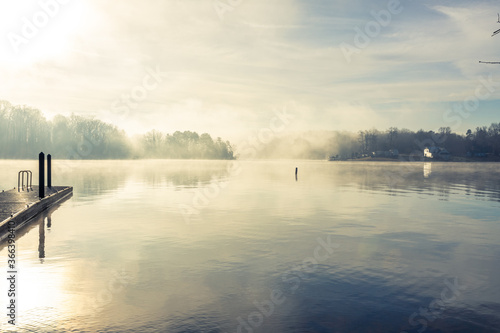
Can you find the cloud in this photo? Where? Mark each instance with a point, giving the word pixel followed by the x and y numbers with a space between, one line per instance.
pixel 228 75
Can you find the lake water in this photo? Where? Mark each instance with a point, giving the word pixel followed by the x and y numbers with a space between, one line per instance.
pixel 216 246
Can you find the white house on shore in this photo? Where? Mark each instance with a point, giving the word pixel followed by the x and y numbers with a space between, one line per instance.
pixel 437 153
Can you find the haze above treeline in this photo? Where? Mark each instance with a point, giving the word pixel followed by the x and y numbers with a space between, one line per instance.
pixel 24 132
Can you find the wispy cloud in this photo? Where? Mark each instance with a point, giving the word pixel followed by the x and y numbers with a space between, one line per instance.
pixel 227 76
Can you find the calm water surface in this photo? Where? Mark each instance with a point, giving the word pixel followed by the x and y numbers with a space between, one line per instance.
pixel 198 246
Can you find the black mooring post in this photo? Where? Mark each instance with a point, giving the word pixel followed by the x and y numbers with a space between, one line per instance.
pixel 49 171
pixel 41 175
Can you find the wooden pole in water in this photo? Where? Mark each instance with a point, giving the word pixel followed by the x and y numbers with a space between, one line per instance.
pixel 41 175
pixel 49 171
pixel 296 172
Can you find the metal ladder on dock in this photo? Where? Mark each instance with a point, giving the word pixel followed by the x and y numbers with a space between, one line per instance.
pixel 20 180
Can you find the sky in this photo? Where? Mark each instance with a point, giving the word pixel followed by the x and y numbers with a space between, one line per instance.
pixel 234 67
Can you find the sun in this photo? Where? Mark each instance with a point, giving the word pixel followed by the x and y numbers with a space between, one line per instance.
pixel 35 31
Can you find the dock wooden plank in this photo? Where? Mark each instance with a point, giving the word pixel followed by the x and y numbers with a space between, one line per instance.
pixel 21 206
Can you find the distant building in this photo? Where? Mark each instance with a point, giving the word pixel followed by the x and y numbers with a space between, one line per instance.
pixel 437 153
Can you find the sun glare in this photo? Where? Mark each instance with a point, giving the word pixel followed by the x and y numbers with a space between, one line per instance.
pixel 35 31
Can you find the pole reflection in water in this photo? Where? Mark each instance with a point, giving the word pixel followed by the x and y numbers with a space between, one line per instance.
pixel 41 241
pixel 47 215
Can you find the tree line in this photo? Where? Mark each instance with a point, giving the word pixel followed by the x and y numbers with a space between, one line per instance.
pixel 24 132
pixel 481 142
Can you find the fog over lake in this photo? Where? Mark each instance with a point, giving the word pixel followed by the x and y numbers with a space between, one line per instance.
pixel 242 246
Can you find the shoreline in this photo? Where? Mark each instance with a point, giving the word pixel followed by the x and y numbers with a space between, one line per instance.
pixel 406 158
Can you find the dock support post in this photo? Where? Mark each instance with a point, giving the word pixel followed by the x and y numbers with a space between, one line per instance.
pixel 49 171
pixel 41 175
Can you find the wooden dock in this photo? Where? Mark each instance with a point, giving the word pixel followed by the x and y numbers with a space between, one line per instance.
pixel 18 207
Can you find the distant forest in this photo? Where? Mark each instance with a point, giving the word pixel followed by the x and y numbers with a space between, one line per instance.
pixel 25 132
pixel 481 142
